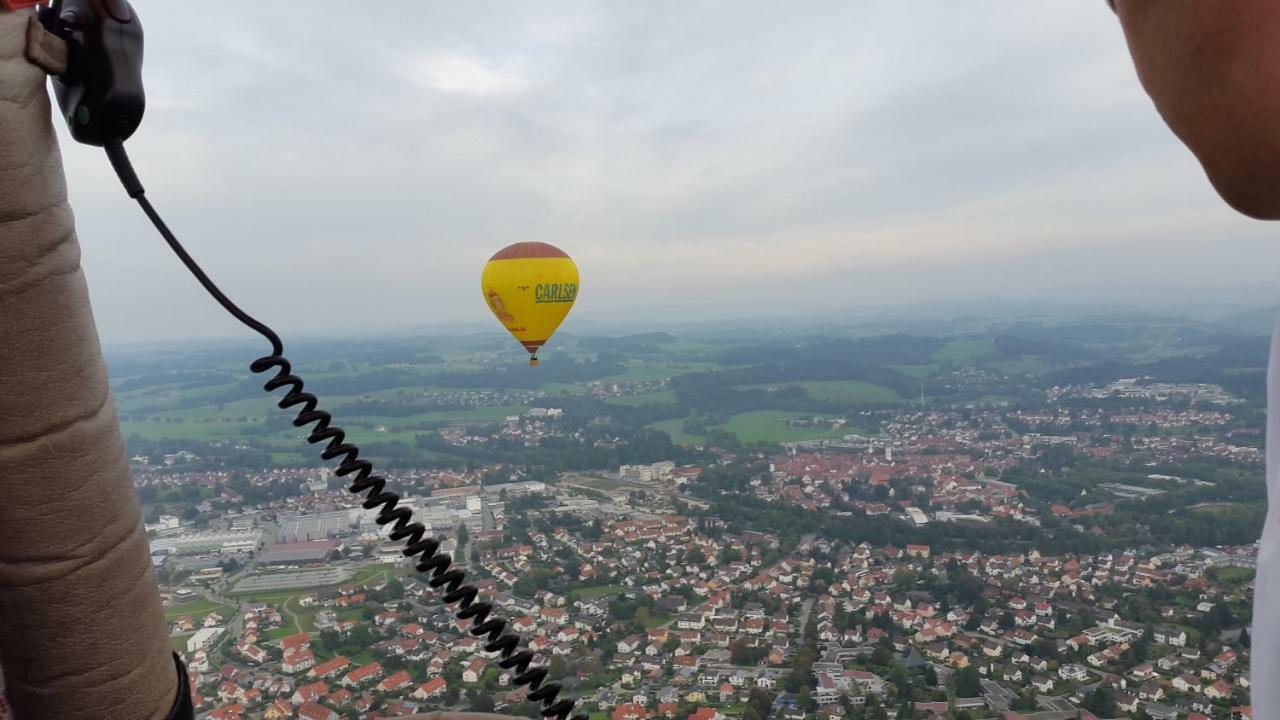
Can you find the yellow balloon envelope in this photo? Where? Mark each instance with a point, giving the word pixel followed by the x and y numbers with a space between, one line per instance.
pixel 530 287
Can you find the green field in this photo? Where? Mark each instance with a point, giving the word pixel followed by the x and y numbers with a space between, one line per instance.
pixel 364 657
pixel 672 428
pixel 211 425
pixel 842 390
pixel 652 373
pixel 306 616
pixel 768 425
pixel 164 412
pixel 350 614
pixel 196 609
pixel 916 371
pixel 248 409
pixel 435 417
pixel 382 571
pixel 271 597
pixel 162 398
pixel 1231 576
pixel 965 351
pixel 594 591
pixel 285 630
pixel 208 431
pixel 1023 366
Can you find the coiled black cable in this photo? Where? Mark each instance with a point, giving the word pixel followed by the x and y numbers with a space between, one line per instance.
pixel 451 581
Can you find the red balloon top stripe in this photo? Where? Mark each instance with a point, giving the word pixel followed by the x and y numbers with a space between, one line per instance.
pixel 523 250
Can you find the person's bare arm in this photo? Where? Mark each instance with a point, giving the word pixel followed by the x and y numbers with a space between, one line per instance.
pixel 1213 69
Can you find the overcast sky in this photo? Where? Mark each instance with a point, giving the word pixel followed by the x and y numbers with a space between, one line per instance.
pixel 699 160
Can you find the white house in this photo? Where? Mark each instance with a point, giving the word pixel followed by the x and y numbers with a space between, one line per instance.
pixel 204 638
pixel 1073 672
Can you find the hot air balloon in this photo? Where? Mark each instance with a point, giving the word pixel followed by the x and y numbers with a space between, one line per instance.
pixel 530 287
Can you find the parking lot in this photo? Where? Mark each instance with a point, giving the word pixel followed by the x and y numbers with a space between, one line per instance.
pixel 295 579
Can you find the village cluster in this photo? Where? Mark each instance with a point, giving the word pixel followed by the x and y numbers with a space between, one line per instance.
pixel 648 603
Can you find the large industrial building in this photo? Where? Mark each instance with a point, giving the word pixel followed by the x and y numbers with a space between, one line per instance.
pixel 295 527
pixel 297 553
pixel 225 541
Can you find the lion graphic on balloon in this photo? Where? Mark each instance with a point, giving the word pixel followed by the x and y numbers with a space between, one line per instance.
pixel 499 308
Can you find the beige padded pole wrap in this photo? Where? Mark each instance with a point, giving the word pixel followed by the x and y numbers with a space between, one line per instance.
pixel 82 634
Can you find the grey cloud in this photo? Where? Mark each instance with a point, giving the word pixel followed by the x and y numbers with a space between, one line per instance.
pixel 687 154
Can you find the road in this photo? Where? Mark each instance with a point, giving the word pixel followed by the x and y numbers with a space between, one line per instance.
pixel 805 610
pixel 235 626
pixel 808 603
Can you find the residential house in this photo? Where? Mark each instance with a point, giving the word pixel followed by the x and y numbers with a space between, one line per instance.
pixel 395 681
pixel 315 711
pixel 430 689
pixel 362 674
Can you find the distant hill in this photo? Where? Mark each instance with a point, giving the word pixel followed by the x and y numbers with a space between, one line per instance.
pixel 655 338
pixel 639 343
pixel 1094 333
pixel 1237 367
pixel 1254 322
pixel 1052 350
pixel 882 350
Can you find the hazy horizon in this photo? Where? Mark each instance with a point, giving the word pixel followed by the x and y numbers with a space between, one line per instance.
pixel 990 317
pixel 703 163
